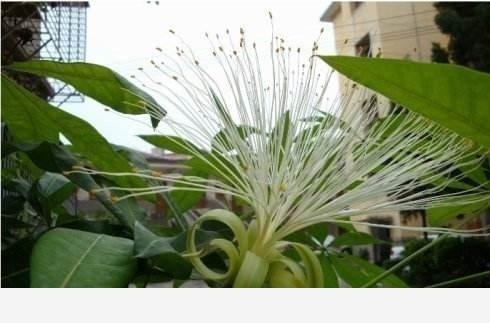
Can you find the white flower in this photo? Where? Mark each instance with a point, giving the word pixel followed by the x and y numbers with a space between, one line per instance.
pixel 295 156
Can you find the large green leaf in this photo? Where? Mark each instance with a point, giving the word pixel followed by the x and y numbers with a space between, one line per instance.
pixel 441 216
pixel 24 115
pixel 184 200
pixel 98 82
pixel 161 252
pixel 222 137
pixel 147 244
pixel 453 96
pixel 82 135
pixel 329 275
pixel 72 258
pixel 48 192
pixel 280 135
pixel 173 143
pixel 356 272
pixel 53 189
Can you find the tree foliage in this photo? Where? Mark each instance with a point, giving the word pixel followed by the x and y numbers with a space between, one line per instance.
pixel 468 26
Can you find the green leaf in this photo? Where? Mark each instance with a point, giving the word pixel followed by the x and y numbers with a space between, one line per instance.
pixel 98 82
pixel 221 138
pixel 215 164
pixel 355 239
pixel 279 136
pixel 161 251
pixel 320 123
pixel 49 192
pixel 71 258
pixel 453 96
pixel 438 217
pixel 24 115
pixel 173 143
pixel 54 189
pixel 133 156
pixel 184 200
pixel 318 232
pixel 210 163
pixel 82 135
pixel 330 279
pixel 356 271
pixel 147 244
pixel 223 112
pixel 56 158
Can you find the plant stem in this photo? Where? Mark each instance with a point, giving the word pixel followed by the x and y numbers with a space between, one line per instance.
pixel 461 279
pixel 403 262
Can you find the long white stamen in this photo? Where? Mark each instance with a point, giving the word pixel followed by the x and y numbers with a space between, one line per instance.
pixel 293 171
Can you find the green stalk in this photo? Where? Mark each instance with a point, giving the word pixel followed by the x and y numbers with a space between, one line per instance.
pixel 253 272
pixel 461 279
pixel 402 263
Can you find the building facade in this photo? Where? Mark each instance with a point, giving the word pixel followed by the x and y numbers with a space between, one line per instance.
pixel 401 30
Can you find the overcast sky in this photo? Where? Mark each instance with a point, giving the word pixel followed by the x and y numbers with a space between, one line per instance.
pixel 123 35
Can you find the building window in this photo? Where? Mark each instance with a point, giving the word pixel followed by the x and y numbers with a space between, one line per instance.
pixel 354 5
pixel 363 46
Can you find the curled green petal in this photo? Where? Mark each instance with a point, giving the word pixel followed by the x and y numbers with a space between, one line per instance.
pixel 295 269
pixel 253 272
pixel 313 268
pixel 234 255
pixel 281 276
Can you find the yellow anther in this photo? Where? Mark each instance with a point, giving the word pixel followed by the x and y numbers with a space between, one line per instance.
pixel 156 173
pixel 282 187
pixel 114 199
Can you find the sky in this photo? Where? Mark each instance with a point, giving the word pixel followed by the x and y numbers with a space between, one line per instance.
pixel 122 35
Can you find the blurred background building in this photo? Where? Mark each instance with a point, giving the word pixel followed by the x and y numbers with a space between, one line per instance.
pixel 401 30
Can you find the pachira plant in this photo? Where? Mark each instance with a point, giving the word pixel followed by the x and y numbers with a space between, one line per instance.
pixel 265 132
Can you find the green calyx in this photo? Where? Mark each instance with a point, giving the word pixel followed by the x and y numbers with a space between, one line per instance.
pixel 246 268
